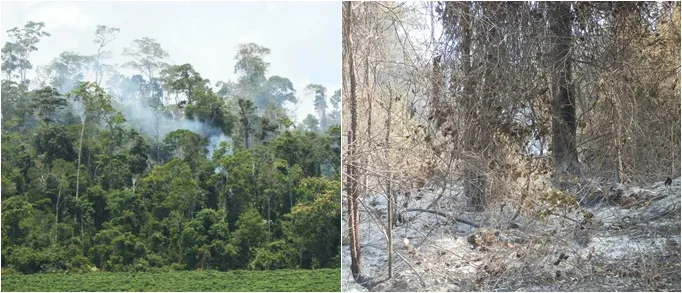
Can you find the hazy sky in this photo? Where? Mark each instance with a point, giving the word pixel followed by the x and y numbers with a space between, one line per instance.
pixel 304 37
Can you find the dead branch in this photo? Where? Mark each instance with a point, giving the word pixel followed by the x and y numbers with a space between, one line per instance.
pixel 445 215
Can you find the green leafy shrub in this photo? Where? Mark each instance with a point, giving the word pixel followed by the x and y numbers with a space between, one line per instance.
pixel 275 255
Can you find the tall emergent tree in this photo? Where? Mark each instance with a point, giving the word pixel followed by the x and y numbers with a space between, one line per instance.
pixel 92 104
pixel 103 36
pixel 251 67
pixel 15 54
pixel 320 102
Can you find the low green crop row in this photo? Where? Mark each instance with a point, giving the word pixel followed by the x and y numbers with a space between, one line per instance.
pixel 324 280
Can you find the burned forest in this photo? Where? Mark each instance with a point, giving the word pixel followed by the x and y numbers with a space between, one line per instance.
pixel 506 146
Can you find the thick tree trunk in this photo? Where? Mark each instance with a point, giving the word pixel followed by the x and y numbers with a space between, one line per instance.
pixel 564 118
pixel 474 135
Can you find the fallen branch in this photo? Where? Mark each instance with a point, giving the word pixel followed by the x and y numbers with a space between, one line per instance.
pixel 445 215
pixel 644 202
pixel 668 210
pixel 567 218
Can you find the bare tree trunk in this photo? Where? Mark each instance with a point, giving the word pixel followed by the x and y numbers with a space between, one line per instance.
pixel 246 136
pixel 80 149
pixel 368 114
pixel 617 140
pixel 391 197
pixel 157 115
pixel 98 64
pixel 351 169
pixel 56 214
pixel 269 221
pixel 473 133
pixel 564 119
pixel 78 168
pixel 225 197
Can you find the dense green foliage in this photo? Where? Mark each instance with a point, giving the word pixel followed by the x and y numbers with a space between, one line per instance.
pixel 322 280
pixel 158 171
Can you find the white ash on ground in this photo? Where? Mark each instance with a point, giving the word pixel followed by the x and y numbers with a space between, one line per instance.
pixel 632 248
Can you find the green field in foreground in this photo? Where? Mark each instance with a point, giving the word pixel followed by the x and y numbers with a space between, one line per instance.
pixel 281 280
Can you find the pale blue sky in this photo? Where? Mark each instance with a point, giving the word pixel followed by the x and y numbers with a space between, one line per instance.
pixel 304 37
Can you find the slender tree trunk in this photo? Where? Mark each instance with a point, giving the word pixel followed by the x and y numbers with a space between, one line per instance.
pixel 225 197
pixel 564 118
pixel 368 141
pixel 78 169
pixel 98 65
pixel 80 149
pixel 56 214
pixel 246 136
pixel 23 75
pixel 158 146
pixel 369 115
pixel 224 207
pixel 351 171
pixel 368 8
pixel 617 140
pixel 433 25
pixel 269 217
pixel 389 177
pixel 290 187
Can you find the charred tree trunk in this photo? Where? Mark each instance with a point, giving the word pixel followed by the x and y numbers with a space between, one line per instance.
pixel 564 117
pixel 473 133
pixel 351 169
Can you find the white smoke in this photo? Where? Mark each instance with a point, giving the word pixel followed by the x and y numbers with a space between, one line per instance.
pixel 157 124
pixel 216 140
